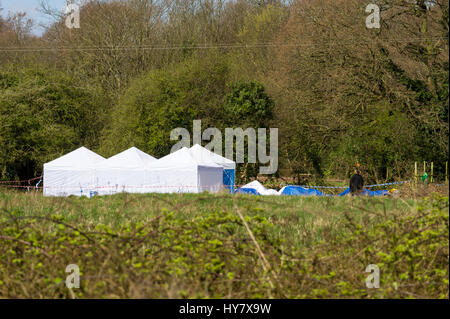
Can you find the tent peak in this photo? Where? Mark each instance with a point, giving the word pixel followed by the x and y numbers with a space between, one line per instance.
pixel 129 158
pixel 81 157
pixel 202 153
pixel 184 157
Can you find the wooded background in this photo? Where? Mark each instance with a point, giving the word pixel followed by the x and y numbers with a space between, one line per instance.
pixel 136 69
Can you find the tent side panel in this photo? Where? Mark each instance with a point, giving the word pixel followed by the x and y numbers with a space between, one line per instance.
pixel 171 180
pixel 110 181
pixel 210 179
pixel 67 182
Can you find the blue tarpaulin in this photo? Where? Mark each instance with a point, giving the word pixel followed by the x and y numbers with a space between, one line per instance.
pixel 247 191
pixel 228 179
pixel 300 191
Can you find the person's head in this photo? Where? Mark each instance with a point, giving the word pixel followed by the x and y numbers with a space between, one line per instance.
pixel 357 168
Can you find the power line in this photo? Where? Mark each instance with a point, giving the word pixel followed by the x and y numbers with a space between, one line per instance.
pixel 204 46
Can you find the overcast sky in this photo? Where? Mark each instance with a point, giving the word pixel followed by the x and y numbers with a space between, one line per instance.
pixel 31 7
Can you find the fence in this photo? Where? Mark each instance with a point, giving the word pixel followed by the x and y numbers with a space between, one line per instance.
pixel 428 178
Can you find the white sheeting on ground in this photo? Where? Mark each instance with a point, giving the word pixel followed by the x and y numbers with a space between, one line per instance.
pixel 71 174
pixel 180 172
pixel 260 188
pixel 123 172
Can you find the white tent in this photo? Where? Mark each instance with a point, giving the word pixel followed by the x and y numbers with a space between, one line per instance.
pixel 229 167
pixel 180 172
pixel 71 174
pixel 123 172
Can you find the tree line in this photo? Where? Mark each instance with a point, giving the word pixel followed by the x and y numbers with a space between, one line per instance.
pixel 136 69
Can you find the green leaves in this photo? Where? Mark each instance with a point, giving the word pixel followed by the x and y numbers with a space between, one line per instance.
pixel 44 114
pixel 162 100
pixel 203 250
pixel 249 104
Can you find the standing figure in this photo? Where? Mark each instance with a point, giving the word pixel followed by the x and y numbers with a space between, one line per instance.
pixel 356 183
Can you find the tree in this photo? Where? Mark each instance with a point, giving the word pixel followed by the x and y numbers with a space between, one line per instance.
pixel 15 35
pixel 121 39
pixel 114 42
pixel 162 100
pixel 248 104
pixel 44 114
pixel 336 90
pixel 332 71
pixel 257 33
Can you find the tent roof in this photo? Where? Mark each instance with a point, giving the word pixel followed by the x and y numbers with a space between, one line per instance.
pixel 181 158
pixel 202 154
pixel 130 158
pixel 79 159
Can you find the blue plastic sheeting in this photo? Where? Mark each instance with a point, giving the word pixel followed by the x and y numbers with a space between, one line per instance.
pixel 300 191
pixel 228 179
pixel 247 191
pixel 366 192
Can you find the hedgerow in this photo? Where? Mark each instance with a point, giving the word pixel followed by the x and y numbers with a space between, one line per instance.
pixel 213 255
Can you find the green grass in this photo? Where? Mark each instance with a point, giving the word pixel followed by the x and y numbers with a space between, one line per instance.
pixel 196 246
pixel 300 220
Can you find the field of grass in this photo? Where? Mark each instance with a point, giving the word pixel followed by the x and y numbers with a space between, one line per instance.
pixel 223 246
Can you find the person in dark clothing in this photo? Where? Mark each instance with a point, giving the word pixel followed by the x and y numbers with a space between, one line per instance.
pixel 356 184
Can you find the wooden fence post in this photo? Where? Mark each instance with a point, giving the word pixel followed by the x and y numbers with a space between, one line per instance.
pixel 431 173
pixel 415 173
pixel 446 171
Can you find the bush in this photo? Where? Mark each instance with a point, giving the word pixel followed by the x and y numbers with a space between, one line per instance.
pixel 211 255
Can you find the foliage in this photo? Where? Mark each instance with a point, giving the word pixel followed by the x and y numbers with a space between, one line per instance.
pixel 336 90
pixel 172 246
pixel 333 74
pixel 249 104
pixel 44 115
pixel 411 251
pixel 390 148
pixel 163 100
